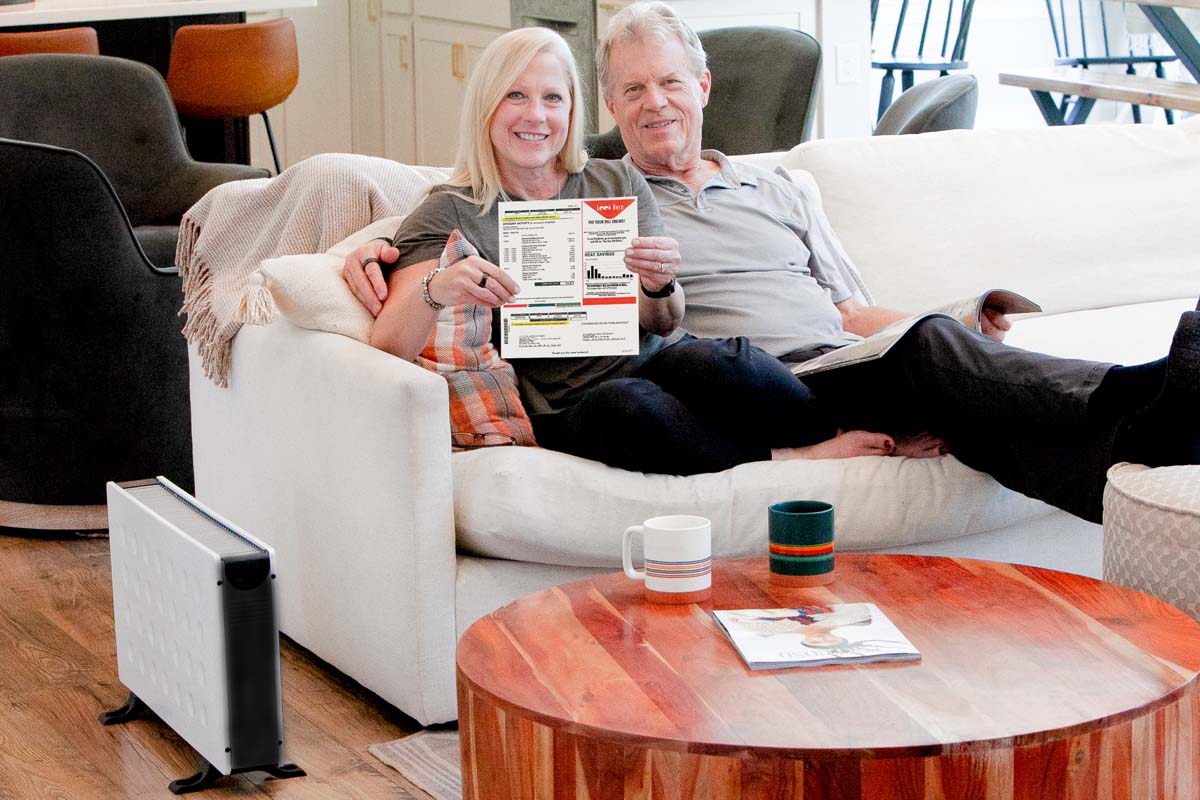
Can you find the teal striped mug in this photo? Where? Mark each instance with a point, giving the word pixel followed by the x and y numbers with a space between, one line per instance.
pixel 677 558
pixel 800 534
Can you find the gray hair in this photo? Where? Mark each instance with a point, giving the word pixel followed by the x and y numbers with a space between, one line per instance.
pixel 647 20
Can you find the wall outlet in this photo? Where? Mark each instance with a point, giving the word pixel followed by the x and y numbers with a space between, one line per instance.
pixel 849 62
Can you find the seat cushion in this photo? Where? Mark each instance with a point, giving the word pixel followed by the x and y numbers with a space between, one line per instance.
pixel 537 505
pixel 1152 532
pixel 158 242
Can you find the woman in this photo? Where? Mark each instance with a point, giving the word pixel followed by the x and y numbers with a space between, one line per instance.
pixel 681 406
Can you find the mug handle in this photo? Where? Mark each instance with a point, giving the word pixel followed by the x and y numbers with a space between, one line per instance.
pixel 627 552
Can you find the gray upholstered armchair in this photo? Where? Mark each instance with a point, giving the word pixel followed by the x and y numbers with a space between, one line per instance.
pixel 764 80
pixel 119 114
pixel 942 104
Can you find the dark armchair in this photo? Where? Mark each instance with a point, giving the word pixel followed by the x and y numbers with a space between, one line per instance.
pixel 119 114
pixel 94 366
pixel 764 82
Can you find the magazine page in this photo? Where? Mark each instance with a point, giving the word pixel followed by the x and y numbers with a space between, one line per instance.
pixel 775 638
pixel 968 311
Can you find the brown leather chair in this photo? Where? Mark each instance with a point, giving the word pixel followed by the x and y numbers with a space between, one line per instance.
pixel 223 71
pixel 61 40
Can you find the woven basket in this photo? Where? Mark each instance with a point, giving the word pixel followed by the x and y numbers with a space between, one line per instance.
pixel 1152 532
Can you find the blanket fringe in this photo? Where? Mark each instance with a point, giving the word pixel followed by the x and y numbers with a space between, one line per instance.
pixel 256 306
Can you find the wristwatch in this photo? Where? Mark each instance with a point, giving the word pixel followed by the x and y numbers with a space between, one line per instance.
pixel 665 291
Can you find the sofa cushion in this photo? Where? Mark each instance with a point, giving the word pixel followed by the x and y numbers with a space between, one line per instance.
pixel 537 505
pixel 1073 217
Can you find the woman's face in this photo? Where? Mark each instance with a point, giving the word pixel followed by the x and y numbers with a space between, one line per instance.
pixel 529 127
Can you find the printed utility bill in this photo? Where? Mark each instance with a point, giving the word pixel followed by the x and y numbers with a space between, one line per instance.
pixel 577 298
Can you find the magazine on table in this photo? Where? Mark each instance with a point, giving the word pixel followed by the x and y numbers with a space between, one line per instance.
pixel 968 311
pixel 811 636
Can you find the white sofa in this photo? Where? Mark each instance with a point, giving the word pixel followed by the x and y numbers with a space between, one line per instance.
pixel 389 545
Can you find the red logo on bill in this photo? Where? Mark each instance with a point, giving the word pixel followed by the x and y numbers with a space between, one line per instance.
pixel 610 208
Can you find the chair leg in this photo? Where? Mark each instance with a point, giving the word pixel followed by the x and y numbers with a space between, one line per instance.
pixel 1161 73
pixel 271 139
pixel 885 93
pixel 907 77
pixel 1137 110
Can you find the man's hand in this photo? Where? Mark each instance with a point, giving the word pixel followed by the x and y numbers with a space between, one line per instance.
pixel 655 259
pixel 362 274
pixel 994 323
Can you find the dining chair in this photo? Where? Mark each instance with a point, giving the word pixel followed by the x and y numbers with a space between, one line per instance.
pixel 751 109
pixel 118 113
pixel 95 370
pixel 59 40
pixel 1076 45
pixel 236 70
pixel 944 53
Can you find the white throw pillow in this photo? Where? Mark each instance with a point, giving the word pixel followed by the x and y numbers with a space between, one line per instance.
pixel 309 292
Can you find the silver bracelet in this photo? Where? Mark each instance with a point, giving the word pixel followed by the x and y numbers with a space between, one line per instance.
pixel 429 301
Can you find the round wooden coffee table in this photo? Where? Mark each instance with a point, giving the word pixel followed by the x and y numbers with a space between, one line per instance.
pixel 1032 684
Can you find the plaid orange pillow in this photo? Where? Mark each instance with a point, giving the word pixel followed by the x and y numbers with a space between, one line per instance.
pixel 485 406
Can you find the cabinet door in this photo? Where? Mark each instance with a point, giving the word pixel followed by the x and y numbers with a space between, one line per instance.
pixel 489 13
pixel 399 122
pixel 445 55
pixel 366 81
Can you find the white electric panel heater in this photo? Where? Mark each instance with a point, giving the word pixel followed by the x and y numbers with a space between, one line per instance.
pixel 197 637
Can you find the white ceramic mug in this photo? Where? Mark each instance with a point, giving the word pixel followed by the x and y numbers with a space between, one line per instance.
pixel 677 558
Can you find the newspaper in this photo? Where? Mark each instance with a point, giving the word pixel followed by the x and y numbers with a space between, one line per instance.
pixel 968 311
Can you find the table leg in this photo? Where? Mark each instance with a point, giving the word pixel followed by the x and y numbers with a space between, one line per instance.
pixel 1077 115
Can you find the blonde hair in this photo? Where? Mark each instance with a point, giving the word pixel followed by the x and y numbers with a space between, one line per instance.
pixel 501 63
pixel 647 20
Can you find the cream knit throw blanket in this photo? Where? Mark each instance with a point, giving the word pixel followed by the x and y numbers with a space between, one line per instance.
pixel 307 209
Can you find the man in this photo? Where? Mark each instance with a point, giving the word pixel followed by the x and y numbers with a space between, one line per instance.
pixel 1046 427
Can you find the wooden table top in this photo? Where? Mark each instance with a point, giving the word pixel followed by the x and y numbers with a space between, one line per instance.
pixel 1011 655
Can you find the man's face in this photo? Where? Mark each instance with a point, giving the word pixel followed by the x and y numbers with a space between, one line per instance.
pixel 658 103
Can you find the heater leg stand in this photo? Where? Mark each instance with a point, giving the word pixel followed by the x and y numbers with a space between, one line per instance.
pixel 285 771
pixel 207 775
pixel 133 706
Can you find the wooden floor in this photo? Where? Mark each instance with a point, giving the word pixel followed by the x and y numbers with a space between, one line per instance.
pixel 58 671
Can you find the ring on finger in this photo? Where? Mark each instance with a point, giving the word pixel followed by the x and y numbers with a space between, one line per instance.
pixel 483 280
pixel 371 260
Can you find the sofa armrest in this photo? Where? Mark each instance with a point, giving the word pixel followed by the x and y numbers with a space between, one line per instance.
pixel 338 456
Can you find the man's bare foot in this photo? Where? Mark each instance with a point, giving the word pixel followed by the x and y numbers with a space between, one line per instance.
pixel 920 445
pixel 845 445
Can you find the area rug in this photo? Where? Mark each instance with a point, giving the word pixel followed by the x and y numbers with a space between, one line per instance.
pixel 428 760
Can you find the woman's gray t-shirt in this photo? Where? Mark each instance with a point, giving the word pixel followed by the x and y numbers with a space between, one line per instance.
pixel 547 384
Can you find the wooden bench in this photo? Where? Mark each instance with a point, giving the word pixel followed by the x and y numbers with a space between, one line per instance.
pixel 1088 86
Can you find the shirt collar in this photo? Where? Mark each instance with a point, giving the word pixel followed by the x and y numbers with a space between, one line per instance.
pixel 728 177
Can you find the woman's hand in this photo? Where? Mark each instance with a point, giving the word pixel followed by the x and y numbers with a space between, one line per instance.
pixel 362 274
pixel 473 281
pixel 654 259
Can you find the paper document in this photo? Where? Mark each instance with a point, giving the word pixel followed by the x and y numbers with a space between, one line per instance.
pixel 577 298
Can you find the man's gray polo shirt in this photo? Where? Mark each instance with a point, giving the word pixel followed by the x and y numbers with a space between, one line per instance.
pixel 759 259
